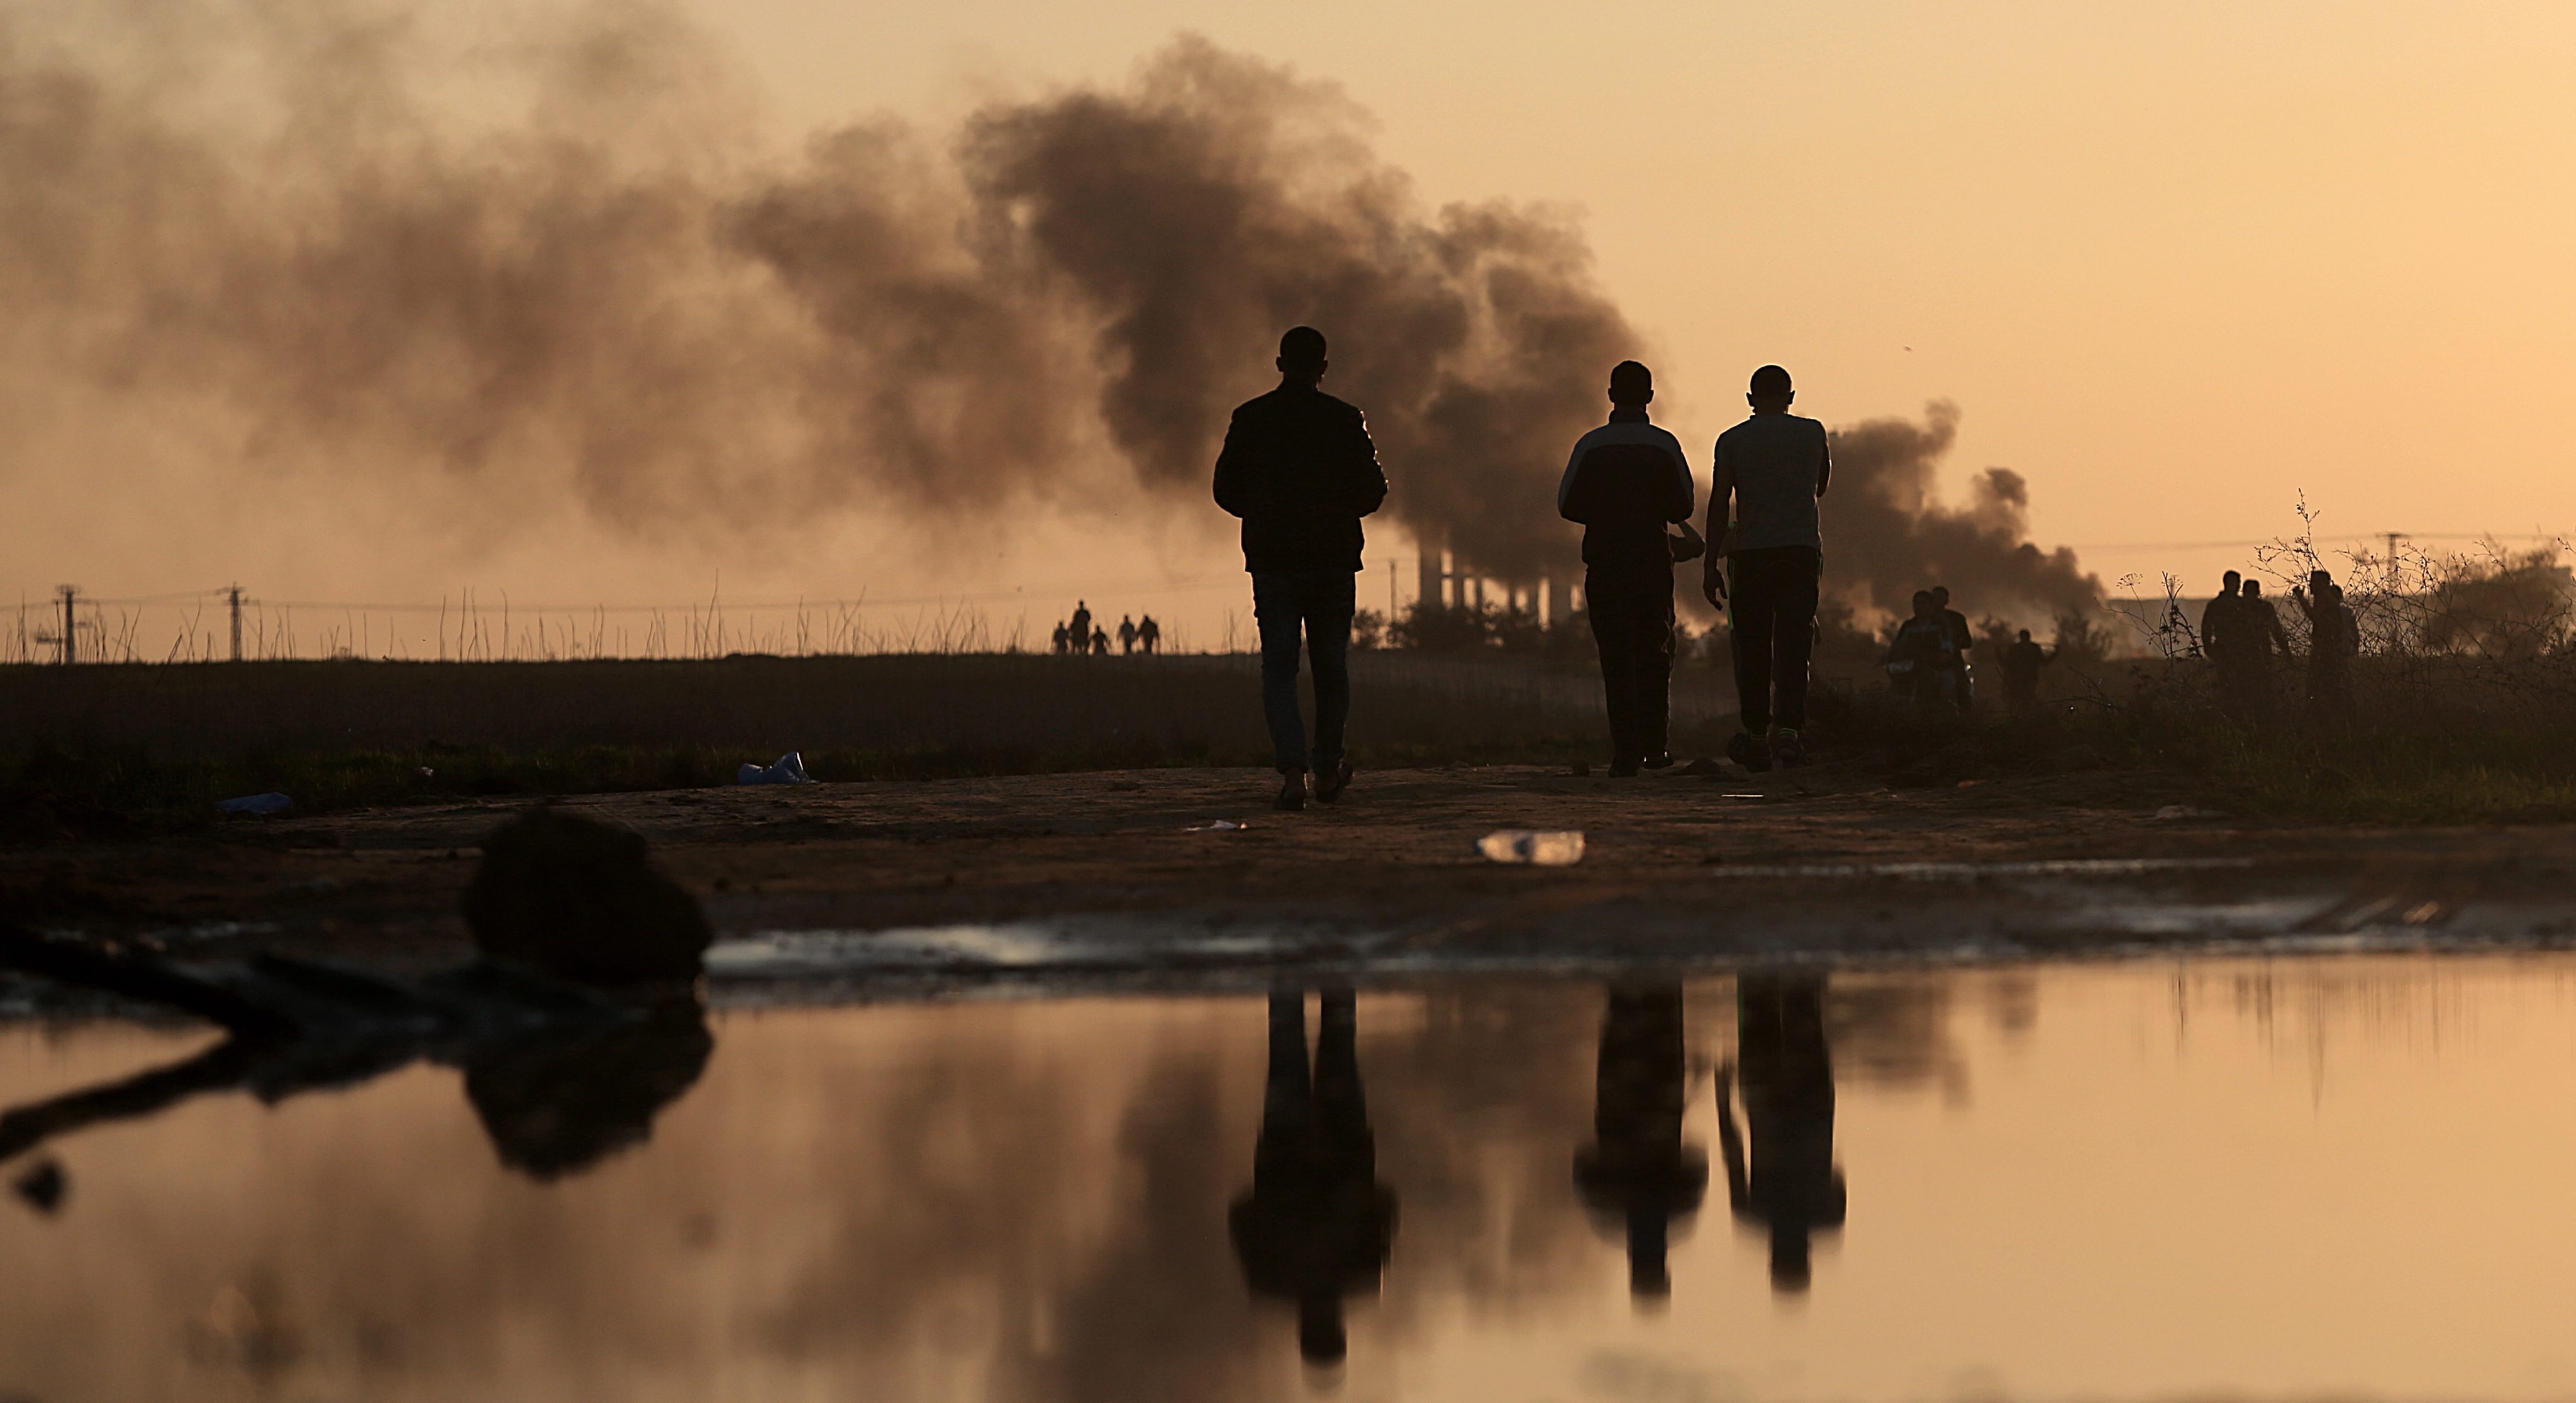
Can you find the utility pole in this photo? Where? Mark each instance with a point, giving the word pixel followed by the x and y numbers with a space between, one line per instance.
pixel 71 627
pixel 2392 562
pixel 233 596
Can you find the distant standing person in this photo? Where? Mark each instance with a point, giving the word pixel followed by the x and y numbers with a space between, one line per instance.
pixel 2022 662
pixel 1126 635
pixel 2247 679
pixel 2218 612
pixel 1081 626
pixel 1626 482
pixel 1099 641
pixel 1063 637
pixel 2334 640
pixel 1149 634
pixel 1299 468
pixel 1955 624
pixel 1771 470
pixel 1920 658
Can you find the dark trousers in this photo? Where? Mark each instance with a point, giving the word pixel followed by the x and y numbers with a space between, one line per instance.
pixel 1771 606
pixel 1312 608
pixel 1631 608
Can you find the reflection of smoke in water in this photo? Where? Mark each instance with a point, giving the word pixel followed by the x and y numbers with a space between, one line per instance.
pixel 622 300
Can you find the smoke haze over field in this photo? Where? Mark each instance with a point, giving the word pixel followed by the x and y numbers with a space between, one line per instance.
pixel 1889 536
pixel 617 304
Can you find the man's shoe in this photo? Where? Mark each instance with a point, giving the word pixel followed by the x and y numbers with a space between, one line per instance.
pixel 1748 750
pixel 1329 784
pixel 1660 760
pixel 1292 791
pixel 1623 768
pixel 1787 748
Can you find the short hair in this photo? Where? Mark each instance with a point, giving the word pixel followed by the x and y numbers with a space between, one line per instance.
pixel 1922 597
pixel 1771 380
pixel 2025 635
pixel 2234 578
pixel 2254 587
pixel 1939 591
pixel 1303 345
pixel 1631 382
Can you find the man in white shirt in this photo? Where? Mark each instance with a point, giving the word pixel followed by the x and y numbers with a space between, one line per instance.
pixel 1771 468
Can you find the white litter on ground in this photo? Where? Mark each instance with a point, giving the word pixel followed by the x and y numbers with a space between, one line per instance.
pixel 1532 848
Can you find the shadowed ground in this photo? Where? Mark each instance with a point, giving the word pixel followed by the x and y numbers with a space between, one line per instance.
pixel 1675 869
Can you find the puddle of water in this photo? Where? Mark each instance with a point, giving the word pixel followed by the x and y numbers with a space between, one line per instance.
pixel 2256 1178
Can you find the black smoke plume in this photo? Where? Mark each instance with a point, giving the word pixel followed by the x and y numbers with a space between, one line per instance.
pixel 1887 535
pixel 618 295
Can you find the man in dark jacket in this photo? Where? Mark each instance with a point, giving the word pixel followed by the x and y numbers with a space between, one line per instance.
pixel 1625 482
pixel 1299 469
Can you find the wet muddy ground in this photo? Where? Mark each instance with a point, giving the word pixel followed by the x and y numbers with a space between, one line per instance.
pixel 1121 870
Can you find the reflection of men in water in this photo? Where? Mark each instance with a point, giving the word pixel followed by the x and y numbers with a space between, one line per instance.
pixel 1317 1225
pixel 1789 1183
pixel 1637 1172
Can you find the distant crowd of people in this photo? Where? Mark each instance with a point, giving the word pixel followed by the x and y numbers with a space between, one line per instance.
pixel 1317 1226
pixel 1081 637
pixel 2242 637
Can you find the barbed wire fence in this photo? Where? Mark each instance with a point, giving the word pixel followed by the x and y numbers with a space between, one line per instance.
pixel 227 623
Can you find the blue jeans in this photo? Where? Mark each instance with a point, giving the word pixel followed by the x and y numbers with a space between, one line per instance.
pixel 1312 607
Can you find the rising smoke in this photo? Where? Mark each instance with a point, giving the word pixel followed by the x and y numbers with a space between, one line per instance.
pixel 1891 536
pixel 620 297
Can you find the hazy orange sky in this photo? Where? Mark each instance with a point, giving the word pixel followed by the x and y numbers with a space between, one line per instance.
pixel 2175 263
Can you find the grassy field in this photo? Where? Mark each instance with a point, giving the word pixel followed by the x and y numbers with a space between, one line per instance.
pixel 129 750
pixel 105 749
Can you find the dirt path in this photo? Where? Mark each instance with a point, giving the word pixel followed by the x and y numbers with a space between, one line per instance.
pixel 1660 875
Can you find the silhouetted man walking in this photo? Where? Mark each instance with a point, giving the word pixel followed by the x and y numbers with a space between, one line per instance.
pixel 1770 470
pixel 1126 635
pixel 1637 1172
pixel 1081 632
pixel 1625 482
pixel 1317 1225
pixel 1789 1183
pixel 1299 469
pixel 1149 634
